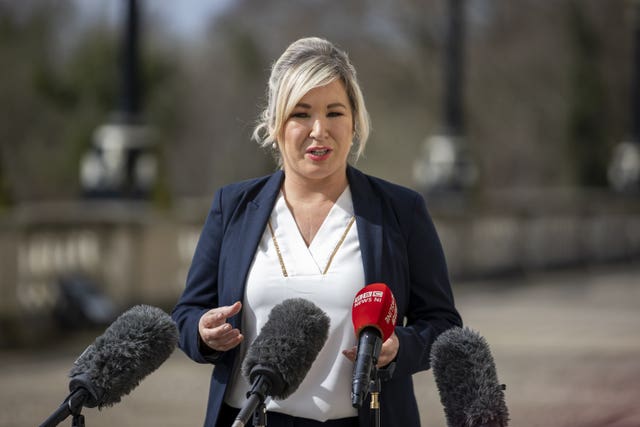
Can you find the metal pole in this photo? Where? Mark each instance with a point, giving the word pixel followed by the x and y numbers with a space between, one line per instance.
pixel 445 165
pixel 121 162
pixel 624 168
pixel 635 77
pixel 129 75
pixel 453 104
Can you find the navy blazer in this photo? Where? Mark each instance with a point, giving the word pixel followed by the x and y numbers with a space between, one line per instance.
pixel 399 247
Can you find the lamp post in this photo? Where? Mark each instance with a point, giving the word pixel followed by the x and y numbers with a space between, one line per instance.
pixel 624 168
pixel 444 164
pixel 121 162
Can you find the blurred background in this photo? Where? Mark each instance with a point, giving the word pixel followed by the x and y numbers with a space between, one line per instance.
pixel 518 120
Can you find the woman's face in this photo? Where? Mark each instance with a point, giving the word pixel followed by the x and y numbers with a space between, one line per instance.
pixel 318 133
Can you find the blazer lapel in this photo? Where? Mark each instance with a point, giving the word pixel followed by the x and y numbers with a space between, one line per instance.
pixel 252 225
pixel 368 212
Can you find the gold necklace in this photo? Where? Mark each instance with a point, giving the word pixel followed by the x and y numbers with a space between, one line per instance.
pixel 333 254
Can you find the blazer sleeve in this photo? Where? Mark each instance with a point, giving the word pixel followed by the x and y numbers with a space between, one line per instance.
pixel 201 290
pixel 430 310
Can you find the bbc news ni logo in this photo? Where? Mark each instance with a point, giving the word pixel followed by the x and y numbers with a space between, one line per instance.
pixel 370 296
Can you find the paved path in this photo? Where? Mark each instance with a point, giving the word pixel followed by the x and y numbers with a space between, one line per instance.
pixel 567 344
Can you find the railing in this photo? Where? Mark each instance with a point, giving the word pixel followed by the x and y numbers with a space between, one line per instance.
pixel 134 254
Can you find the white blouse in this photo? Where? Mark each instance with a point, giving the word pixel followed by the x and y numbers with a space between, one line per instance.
pixel 325 392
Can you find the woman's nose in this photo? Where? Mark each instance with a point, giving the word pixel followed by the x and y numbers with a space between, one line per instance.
pixel 319 129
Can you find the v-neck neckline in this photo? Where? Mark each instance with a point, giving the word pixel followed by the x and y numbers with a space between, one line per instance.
pixel 295 256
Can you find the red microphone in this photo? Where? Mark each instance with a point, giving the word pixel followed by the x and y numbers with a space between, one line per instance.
pixel 374 314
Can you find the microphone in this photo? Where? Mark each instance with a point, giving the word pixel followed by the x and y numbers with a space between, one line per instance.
pixel 280 357
pixel 467 381
pixel 135 345
pixel 374 314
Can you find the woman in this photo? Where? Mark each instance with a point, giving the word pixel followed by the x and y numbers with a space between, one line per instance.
pixel 318 229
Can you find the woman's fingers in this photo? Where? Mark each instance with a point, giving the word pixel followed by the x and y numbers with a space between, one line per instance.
pixel 388 352
pixel 214 330
pixel 218 316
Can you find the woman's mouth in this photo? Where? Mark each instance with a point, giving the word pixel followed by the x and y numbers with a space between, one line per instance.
pixel 318 153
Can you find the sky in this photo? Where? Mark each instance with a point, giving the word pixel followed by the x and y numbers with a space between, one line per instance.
pixel 185 18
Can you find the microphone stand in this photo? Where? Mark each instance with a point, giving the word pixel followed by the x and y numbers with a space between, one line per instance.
pixel 72 405
pixel 77 420
pixel 374 390
pixel 377 377
pixel 260 416
pixel 254 405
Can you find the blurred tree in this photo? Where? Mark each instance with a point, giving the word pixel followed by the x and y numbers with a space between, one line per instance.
pixel 83 91
pixel 523 90
pixel 216 108
pixel 27 32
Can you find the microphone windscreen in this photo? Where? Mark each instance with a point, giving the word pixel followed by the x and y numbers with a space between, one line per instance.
pixel 132 347
pixel 375 306
pixel 466 377
pixel 288 343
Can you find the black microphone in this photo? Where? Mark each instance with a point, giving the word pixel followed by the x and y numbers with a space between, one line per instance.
pixel 135 345
pixel 282 354
pixel 467 380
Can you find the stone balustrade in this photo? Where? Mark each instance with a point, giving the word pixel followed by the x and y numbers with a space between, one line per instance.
pixel 134 254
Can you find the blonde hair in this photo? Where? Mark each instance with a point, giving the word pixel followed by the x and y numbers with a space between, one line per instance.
pixel 306 64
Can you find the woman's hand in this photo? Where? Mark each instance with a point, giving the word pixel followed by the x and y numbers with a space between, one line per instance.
pixel 214 330
pixel 388 352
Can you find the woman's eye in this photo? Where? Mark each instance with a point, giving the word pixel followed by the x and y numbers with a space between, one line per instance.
pixel 335 114
pixel 300 115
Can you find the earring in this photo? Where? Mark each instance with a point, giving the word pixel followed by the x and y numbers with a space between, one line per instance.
pixel 274 146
